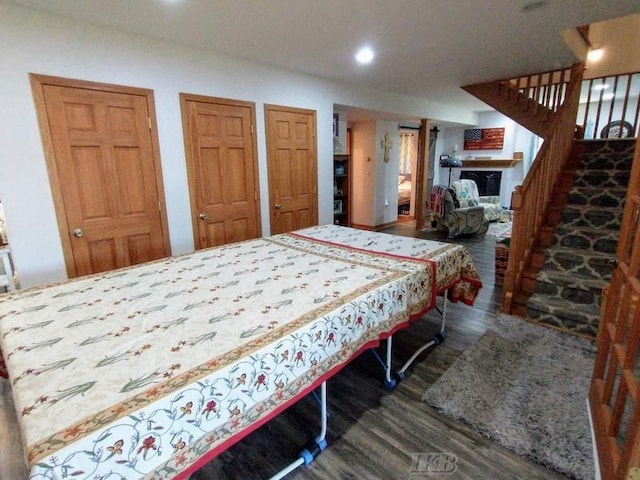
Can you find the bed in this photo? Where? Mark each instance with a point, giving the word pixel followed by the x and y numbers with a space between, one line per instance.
pixel 404 191
pixel 150 371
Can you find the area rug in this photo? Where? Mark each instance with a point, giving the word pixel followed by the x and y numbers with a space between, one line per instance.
pixel 525 387
pixel 499 229
pixel 12 465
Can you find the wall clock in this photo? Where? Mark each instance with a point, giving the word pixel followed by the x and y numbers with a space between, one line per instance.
pixel 617 129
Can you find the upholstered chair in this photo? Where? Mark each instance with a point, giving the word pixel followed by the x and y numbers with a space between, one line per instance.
pixel 452 217
pixel 467 193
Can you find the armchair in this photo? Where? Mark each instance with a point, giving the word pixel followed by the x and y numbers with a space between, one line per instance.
pixel 456 220
pixel 467 193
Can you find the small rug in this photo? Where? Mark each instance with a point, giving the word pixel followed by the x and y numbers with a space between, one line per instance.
pixel 525 387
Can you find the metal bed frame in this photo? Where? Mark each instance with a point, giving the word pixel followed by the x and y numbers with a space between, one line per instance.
pixel 391 378
pixel 390 382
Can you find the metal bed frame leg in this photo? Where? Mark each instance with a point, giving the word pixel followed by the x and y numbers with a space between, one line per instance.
pixel 315 446
pixel 389 383
pixel 435 341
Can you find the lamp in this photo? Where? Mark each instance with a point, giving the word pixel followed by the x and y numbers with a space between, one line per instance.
pixel 449 162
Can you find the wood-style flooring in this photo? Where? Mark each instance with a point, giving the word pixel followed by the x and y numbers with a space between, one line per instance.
pixel 373 433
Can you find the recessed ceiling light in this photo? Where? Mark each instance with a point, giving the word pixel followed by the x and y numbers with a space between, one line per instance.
pixel 365 55
pixel 600 86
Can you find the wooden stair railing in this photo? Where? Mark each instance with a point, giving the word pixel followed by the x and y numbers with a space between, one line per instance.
pixel 531 100
pixel 611 106
pixel 531 200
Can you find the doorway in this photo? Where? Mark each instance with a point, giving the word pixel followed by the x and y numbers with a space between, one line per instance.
pixel 406 173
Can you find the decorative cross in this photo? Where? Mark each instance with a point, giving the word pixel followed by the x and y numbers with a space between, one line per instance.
pixel 387 144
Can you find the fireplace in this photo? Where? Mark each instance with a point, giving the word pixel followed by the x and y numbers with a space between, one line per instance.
pixel 488 181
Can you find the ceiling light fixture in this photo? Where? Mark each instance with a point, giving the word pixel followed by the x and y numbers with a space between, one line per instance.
pixel 531 6
pixel 600 86
pixel 595 54
pixel 365 55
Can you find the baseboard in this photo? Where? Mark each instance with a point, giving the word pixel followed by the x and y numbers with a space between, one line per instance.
pixel 386 225
pixel 363 227
pixel 596 464
pixel 374 228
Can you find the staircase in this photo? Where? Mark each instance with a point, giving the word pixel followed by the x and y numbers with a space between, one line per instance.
pixel 515 104
pixel 531 100
pixel 576 252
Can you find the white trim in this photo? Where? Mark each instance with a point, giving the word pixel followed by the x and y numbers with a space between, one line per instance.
pixel 596 464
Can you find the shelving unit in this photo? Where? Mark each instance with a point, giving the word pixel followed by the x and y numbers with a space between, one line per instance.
pixel 342 190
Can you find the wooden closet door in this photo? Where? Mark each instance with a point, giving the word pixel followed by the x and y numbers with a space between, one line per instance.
pixel 105 173
pixel 292 165
pixel 222 168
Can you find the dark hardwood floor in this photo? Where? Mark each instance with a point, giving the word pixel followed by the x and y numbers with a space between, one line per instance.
pixel 373 433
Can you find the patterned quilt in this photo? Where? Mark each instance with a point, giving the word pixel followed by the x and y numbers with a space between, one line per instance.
pixel 142 372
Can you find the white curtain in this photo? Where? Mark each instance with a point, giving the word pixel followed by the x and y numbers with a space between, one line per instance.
pixel 406 152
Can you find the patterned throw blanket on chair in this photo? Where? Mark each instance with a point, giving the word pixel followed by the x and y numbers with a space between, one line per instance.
pixel 436 200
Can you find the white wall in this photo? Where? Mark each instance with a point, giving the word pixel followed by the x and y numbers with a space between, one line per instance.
pixel 598 118
pixel 386 204
pixel 46 44
pixel 363 195
pixel 340 142
pixel 375 183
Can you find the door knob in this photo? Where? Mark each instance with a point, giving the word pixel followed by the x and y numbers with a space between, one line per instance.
pixel 78 233
pixel 204 215
pixel 278 206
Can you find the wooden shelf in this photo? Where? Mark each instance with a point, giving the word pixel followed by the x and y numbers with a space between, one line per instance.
pixel 491 163
pixel 342 184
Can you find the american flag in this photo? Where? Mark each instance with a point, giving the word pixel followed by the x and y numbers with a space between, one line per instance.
pixel 484 138
pixel 473 135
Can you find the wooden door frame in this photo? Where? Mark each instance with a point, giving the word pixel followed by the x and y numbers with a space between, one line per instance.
pixel 422 168
pixel 191 180
pixel 271 181
pixel 38 83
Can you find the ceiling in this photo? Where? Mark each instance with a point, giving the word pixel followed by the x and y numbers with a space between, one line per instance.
pixel 425 48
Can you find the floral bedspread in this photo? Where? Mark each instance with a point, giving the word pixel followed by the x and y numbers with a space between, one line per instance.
pixel 454 267
pixel 140 372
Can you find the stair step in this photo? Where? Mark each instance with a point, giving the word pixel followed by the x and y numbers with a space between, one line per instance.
pixel 587 263
pixel 578 260
pixel 575 288
pixel 597 197
pixel 589 217
pixel 581 319
pixel 608 155
pixel 602 178
pixel 583 238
